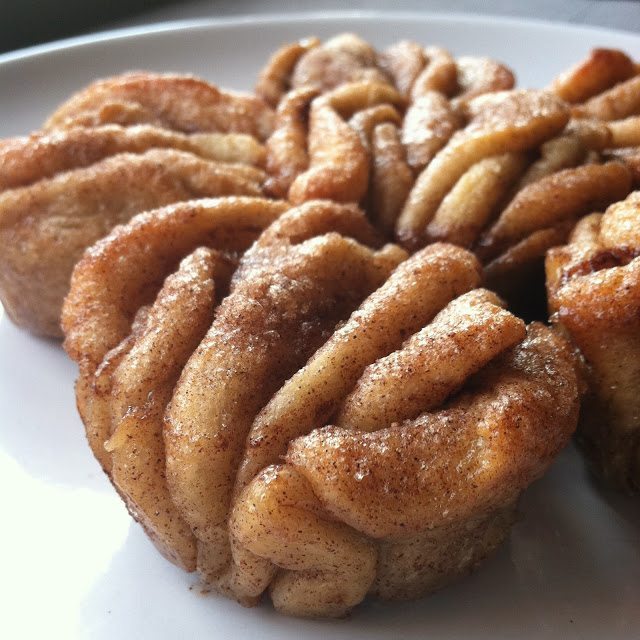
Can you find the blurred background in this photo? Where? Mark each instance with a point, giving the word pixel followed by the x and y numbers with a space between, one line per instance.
pixel 27 22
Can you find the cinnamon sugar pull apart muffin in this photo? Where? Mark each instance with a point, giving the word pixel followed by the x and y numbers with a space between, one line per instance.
pixel 505 173
pixel 320 419
pixel 594 295
pixel 119 147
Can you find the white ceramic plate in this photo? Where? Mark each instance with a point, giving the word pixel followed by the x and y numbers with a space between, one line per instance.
pixel 73 565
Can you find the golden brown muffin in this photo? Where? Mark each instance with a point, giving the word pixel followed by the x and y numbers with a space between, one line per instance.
pixel 119 147
pixel 503 173
pixel 594 295
pixel 309 425
pixel 453 155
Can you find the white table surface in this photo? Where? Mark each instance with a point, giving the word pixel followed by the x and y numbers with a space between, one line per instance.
pixel 620 14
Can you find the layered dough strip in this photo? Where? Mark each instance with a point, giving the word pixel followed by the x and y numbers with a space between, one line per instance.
pixel 287 153
pixel 403 62
pixel 428 124
pixel 478 75
pixel 564 195
pixel 391 176
pixel 142 385
pixel 338 159
pixel 432 364
pixel 44 154
pixel 470 205
pixel 45 227
pixel 181 103
pixel 600 71
pixel 275 77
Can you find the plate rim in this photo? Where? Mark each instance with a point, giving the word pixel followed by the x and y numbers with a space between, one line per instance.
pixel 303 17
